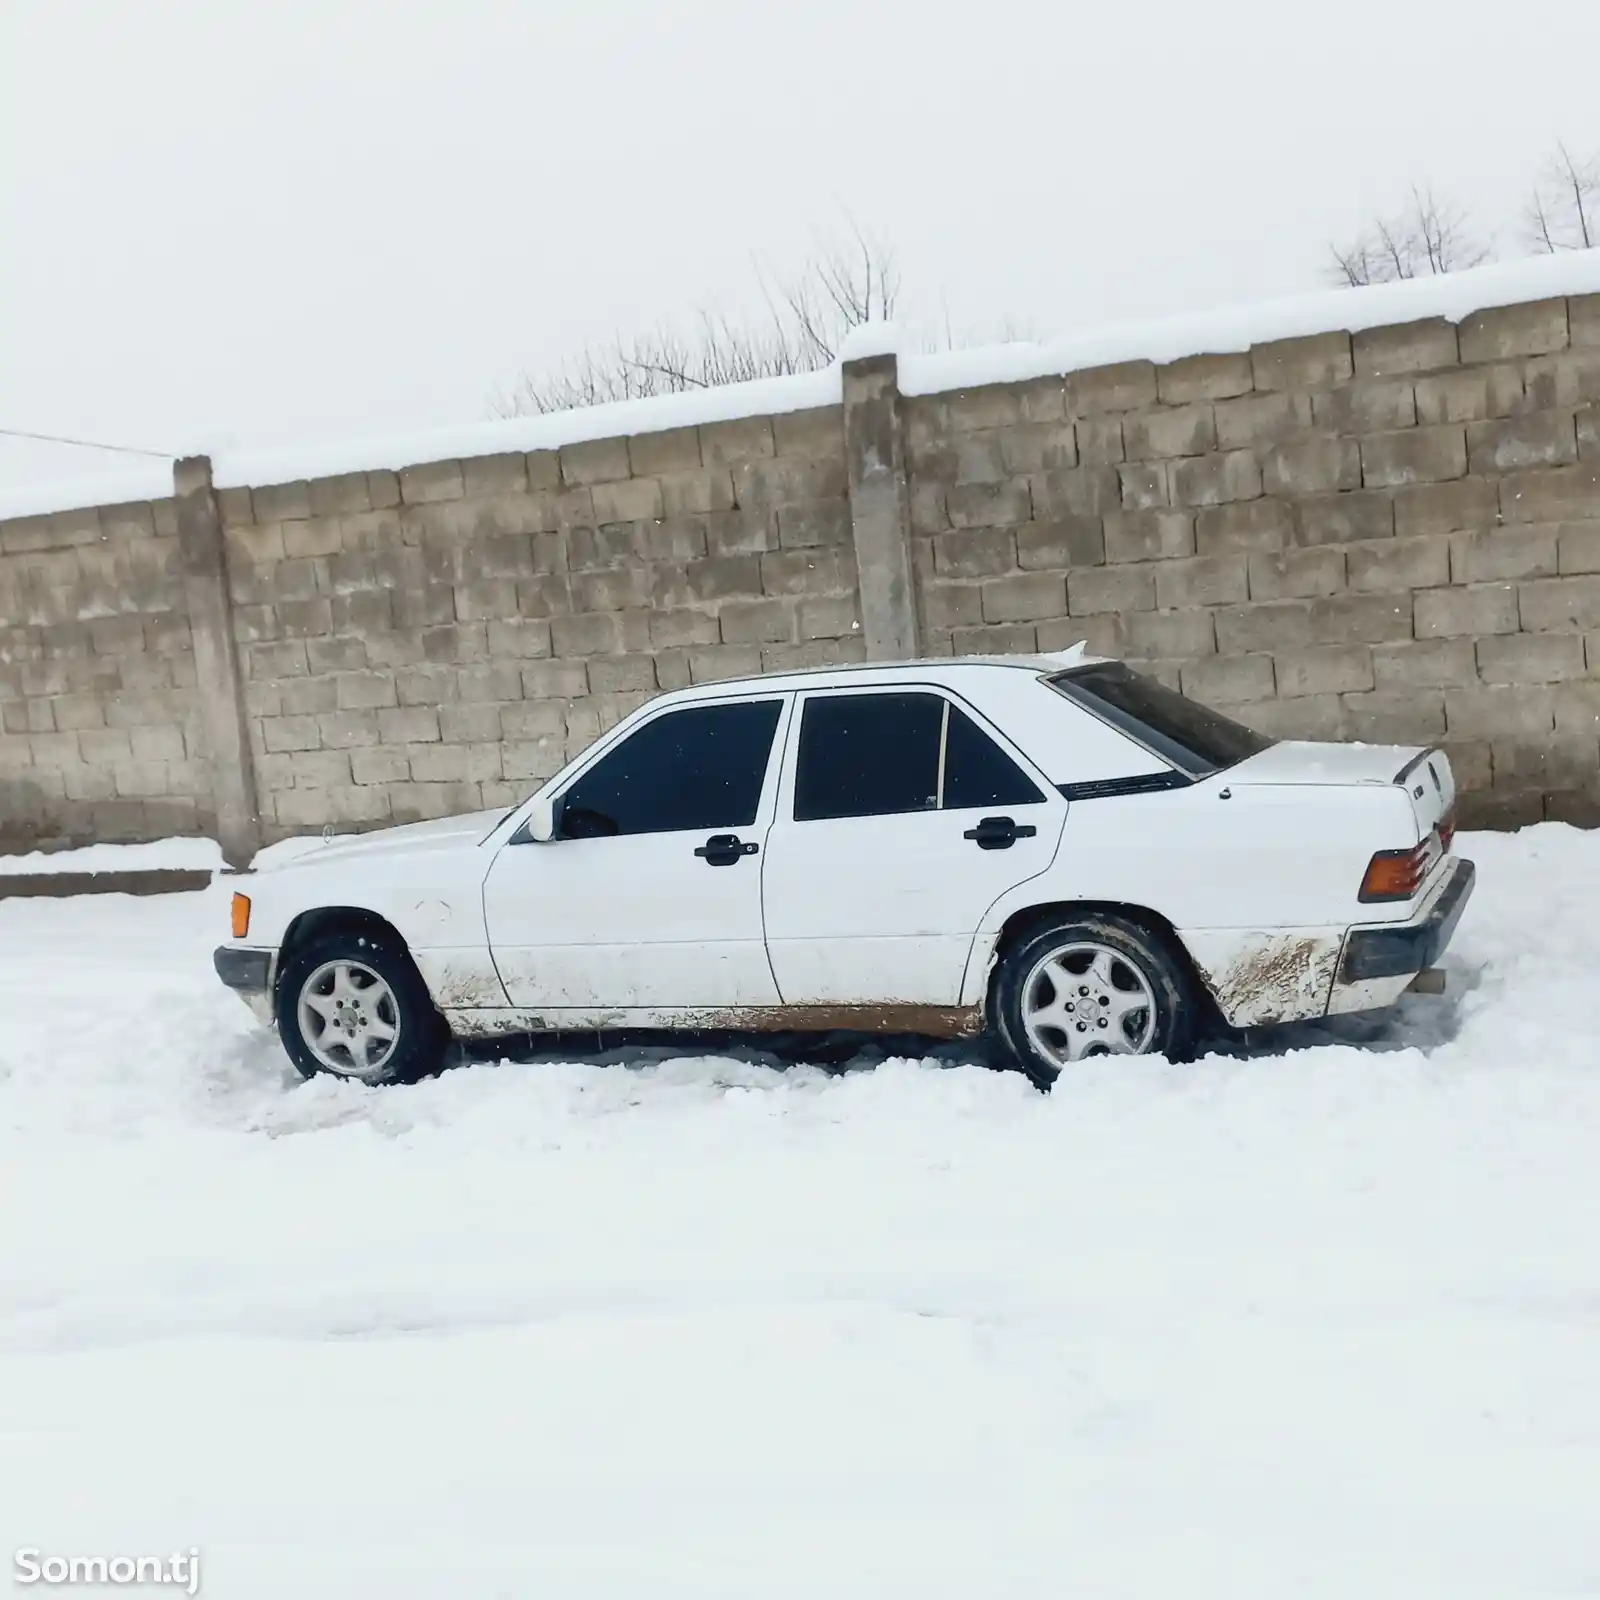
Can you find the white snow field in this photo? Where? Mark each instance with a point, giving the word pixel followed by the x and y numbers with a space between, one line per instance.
pixel 1320 1321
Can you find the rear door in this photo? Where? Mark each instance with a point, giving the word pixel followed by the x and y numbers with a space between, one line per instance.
pixel 649 896
pixel 902 817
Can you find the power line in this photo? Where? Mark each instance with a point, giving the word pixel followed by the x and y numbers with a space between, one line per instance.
pixel 86 444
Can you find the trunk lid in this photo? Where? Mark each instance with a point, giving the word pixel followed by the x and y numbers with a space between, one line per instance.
pixel 1424 774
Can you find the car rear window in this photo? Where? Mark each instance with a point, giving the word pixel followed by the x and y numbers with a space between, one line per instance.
pixel 1195 739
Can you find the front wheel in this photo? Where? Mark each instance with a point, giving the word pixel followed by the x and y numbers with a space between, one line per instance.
pixel 1091 986
pixel 354 1005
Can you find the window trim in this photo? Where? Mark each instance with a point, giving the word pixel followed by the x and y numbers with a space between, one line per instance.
pixel 653 711
pixel 784 816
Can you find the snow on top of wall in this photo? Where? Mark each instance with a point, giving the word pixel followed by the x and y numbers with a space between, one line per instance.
pixel 1454 296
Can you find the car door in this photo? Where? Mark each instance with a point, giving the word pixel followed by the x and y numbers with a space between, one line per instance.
pixel 902 818
pixel 649 895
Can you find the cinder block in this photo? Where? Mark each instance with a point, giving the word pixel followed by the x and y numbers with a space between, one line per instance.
pixel 1202 581
pixel 1579 550
pixel 829 618
pixel 1151 535
pixel 801 527
pixel 281 502
pixel 263 661
pixel 1215 479
pixel 1119 589
pixel 1556 494
pixel 818 431
pixel 696 493
pixel 1188 430
pixel 1406 347
pixel 1370 405
pixel 1064 542
pixel 1304 717
pixel 719 663
pixel 627 500
pixel 423 485
pixel 1263 419
pixel 1145 485
pixel 1274 625
pixel 1508 553
pixel 1462 613
pixel 544 597
pixel 1471 505
pixel 979 553
pixel 1168 635
pixel 1204 378
pixel 676 629
pixel 1501 332
pixel 1318 361
pixel 1490 711
pixel 593 461
pixel 1311 466
pixel 1576 705
pixel 408 725
pixel 1243 527
pixel 1531 658
pixel 358 690
pixel 989 505
pixel 952 605
pixel 583 635
pixel 726 444
pixel 1470 394
pixel 342 495
pixel 1228 680
pixel 1383 717
pixel 1565 762
pixel 621 674
pixel 1400 564
pixel 992 406
pixel 1589 433
pixel 720 578
pixel 1101 635
pixel 555 680
pixel 486 476
pixel 1124 386
pixel 758 622
pixel 476 602
pixel 1296 574
pixel 348 730
pixel 308 697
pixel 1099 441
pixel 1558 605
pixel 1583 321
pixel 807 572
pixel 1415 455
pixel 1025 598
pixel 1361 618
pixel 1007 639
pixel 1334 669
pixel 1035 447
pixel 1541 439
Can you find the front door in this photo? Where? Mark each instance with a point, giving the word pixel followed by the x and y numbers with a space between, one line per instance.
pixel 901 820
pixel 649 896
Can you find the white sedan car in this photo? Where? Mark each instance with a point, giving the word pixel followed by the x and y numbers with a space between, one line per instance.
pixel 1071 858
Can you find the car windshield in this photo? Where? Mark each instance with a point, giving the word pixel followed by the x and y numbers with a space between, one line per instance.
pixel 1195 739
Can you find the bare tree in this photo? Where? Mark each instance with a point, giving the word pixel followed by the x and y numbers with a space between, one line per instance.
pixel 1430 236
pixel 1563 213
pixel 803 321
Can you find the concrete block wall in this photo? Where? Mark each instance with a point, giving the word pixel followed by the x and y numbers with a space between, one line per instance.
pixel 100 736
pixel 1391 536
pixel 439 639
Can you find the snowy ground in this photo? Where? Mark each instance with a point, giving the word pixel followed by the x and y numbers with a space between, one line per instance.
pixel 1321 1322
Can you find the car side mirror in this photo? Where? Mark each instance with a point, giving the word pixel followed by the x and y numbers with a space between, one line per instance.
pixel 544 817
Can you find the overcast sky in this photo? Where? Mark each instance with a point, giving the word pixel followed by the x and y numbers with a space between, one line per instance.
pixel 265 223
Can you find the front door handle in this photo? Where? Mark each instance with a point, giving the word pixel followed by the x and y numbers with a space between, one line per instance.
pixel 723 849
pixel 999 833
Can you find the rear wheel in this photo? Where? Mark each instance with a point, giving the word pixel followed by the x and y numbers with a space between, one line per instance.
pixel 352 1004
pixel 1091 986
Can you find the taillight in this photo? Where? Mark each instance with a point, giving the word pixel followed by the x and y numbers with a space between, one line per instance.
pixel 1447 830
pixel 241 915
pixel 1394 874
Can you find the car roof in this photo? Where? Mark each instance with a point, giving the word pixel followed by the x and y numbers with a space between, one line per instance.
pixel 925 669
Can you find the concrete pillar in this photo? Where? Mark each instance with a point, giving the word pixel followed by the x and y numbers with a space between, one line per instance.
pixel 880 510
pixel 216 660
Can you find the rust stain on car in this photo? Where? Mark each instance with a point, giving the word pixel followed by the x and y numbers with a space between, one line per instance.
pixel 933 1022
pixel 1275 976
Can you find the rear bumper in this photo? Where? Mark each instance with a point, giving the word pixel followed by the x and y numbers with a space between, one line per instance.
pixel 249 973
pixel 1401 949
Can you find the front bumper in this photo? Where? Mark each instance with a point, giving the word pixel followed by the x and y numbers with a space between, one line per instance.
pixel 1400 949
pixel 249 973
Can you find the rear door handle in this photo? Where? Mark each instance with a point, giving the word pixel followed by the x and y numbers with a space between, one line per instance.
pixel 724 849
pixel 999 833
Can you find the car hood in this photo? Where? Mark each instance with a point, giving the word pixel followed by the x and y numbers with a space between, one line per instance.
pixel 1305 761
pixel 413 838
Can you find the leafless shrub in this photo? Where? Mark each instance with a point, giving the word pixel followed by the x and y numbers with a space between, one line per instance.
pixel 1430 236
pixel 1563 212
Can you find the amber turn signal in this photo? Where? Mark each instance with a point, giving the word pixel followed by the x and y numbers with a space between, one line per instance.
pixel 241 915
pixel 1394 875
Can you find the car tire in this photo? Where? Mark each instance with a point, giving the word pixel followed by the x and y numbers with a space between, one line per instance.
pixel 341 992
pixel 1087 986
